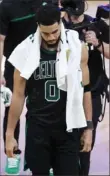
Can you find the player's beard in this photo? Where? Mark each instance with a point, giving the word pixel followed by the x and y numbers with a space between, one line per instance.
pixel 54 45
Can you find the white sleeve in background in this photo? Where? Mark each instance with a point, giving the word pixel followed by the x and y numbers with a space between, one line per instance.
pixel 3 65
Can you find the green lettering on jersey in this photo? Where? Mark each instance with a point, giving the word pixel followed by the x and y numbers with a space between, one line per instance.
pixel 45 70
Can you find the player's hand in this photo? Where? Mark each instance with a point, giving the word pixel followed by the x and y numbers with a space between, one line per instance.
pixel 2 81
pixel 86 140
pixel 90 37
pixel 11 145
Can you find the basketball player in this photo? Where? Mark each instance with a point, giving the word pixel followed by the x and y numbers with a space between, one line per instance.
pixel 49 143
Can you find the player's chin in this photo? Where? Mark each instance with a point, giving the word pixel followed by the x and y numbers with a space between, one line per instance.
pixel 52 43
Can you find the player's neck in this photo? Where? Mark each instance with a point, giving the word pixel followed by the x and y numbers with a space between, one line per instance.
pixel 45 46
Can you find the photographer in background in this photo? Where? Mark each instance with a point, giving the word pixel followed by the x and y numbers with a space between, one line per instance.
pixel 97 37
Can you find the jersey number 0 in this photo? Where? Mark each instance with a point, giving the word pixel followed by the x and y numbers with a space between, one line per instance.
pixel 52 93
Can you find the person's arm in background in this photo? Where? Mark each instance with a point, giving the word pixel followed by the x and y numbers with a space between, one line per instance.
pixel 86 139
pixel 17 104
pixel 2 39
pixel 106 50
pixel 4 23
pixel 90 37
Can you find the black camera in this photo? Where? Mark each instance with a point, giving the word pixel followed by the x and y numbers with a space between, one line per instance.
pixel 103 11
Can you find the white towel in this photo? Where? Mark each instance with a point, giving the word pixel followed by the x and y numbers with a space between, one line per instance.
pixel 33 57
pixel 61 61
pixel 26 58
pixel 75 116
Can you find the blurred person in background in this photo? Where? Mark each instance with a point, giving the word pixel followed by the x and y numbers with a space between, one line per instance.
pixel 97 38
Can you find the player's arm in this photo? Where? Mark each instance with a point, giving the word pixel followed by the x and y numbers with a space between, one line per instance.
pixel 86 83
pixel 86 138
pixel 17 103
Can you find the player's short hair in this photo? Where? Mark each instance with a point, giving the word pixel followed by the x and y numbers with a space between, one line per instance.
pixel 48 14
